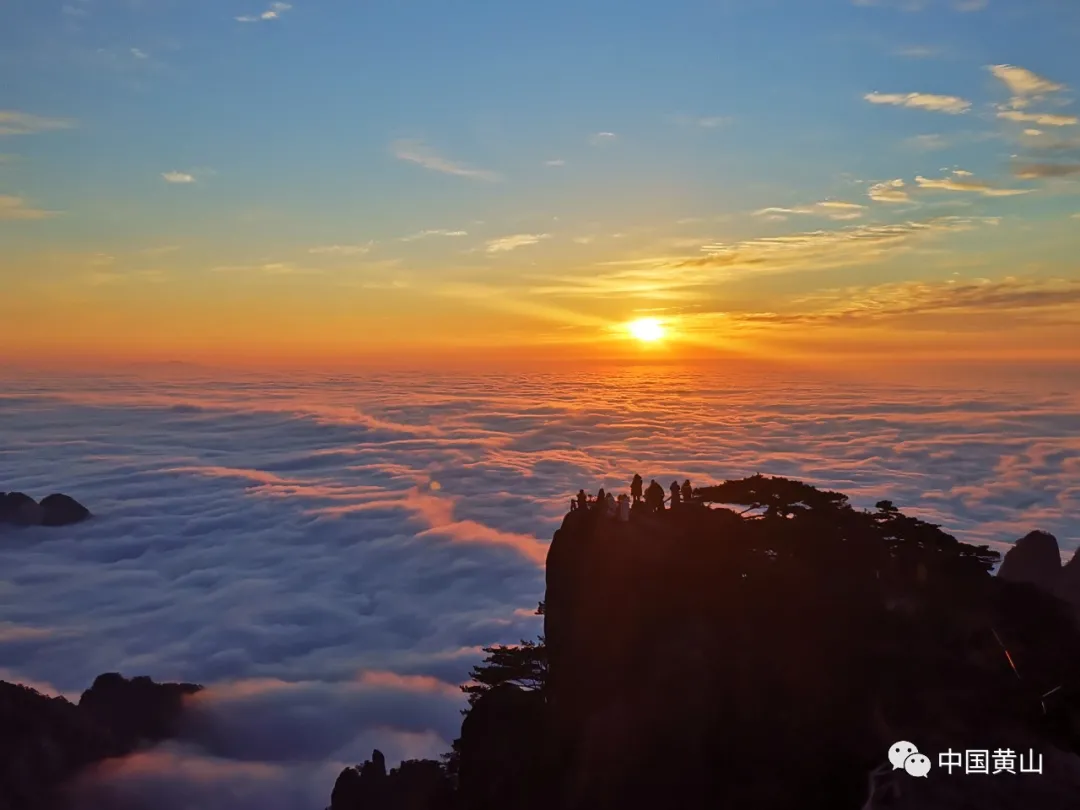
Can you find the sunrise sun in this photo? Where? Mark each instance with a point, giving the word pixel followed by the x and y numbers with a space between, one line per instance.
pixel 647 330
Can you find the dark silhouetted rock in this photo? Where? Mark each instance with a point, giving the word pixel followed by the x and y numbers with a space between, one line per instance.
pixel 504 756
pixel 1034 558
pixel 45 742
pixel 62 510
pixel 416 784
pixel 136 709
pixel 20 509
pixel 701 657
pixel 1068 584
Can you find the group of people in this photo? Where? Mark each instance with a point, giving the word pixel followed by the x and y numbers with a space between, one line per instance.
pixel 652 498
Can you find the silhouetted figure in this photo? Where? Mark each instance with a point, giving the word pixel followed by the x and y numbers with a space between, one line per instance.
pixel 687 491
pixel 601 498
pixel 654 497
pixel 611 505
pixel 675 494
pixel 635 488
pixel 624 508
pixel 582 499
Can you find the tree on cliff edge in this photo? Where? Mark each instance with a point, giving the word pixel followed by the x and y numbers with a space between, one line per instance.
pixel 524 665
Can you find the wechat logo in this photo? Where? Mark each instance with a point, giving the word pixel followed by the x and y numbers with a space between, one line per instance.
pixel 904 755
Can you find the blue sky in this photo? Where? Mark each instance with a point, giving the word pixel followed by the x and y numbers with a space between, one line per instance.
pixel 249 134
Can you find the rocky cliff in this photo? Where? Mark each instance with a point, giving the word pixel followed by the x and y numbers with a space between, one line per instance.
pixel 704 657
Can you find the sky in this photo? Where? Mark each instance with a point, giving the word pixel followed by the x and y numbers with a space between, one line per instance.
pixel 257 181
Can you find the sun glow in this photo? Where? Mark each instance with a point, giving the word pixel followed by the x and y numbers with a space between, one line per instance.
pixel 647 330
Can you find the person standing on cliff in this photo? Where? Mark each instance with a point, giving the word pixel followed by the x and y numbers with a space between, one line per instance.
pixel 635 488
pixel 601 499
pixel 654 497
pixel 687 491
pixel 582 499
pixel 675 494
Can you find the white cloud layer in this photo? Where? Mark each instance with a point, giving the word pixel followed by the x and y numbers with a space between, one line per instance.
pixel 329 553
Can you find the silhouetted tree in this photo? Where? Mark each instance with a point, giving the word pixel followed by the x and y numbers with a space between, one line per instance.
pixel 524 665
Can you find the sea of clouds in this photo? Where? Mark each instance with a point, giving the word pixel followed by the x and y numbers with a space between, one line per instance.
pixel 328 553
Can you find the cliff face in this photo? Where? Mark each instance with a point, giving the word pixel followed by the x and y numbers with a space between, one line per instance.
pixel 696 655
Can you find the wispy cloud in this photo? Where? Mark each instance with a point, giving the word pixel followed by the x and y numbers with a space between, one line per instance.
pixel 928 143
pixel 832 209
pixel 269 268
pixel 14 122
pixel 1042 119
pixel 602 138
pixel 1029 296
pixel 433 232
pixel 273 13
pixel 1023 83
pixel 702 122
pixel 1026 88
pixel 918 51
pixel 12 207
pixel 507 243
pixel 555 162
pixel 921 5
pixel 676 277
pixel 342 250
pixel 954 105
pixel 178 177
pixel 1041 171
pixel 159 251
pixel 956 182
pixel 820 249
pixel 890 191
pixel 416 151
pixel 139 53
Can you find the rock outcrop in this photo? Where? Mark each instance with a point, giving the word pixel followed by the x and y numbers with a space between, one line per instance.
pixel 20 509
pixel 136 709
pixel 62 510
pixel 1034 558
pixel 46 741
pixel 54 510
pixel 416 784
pixel 702 657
